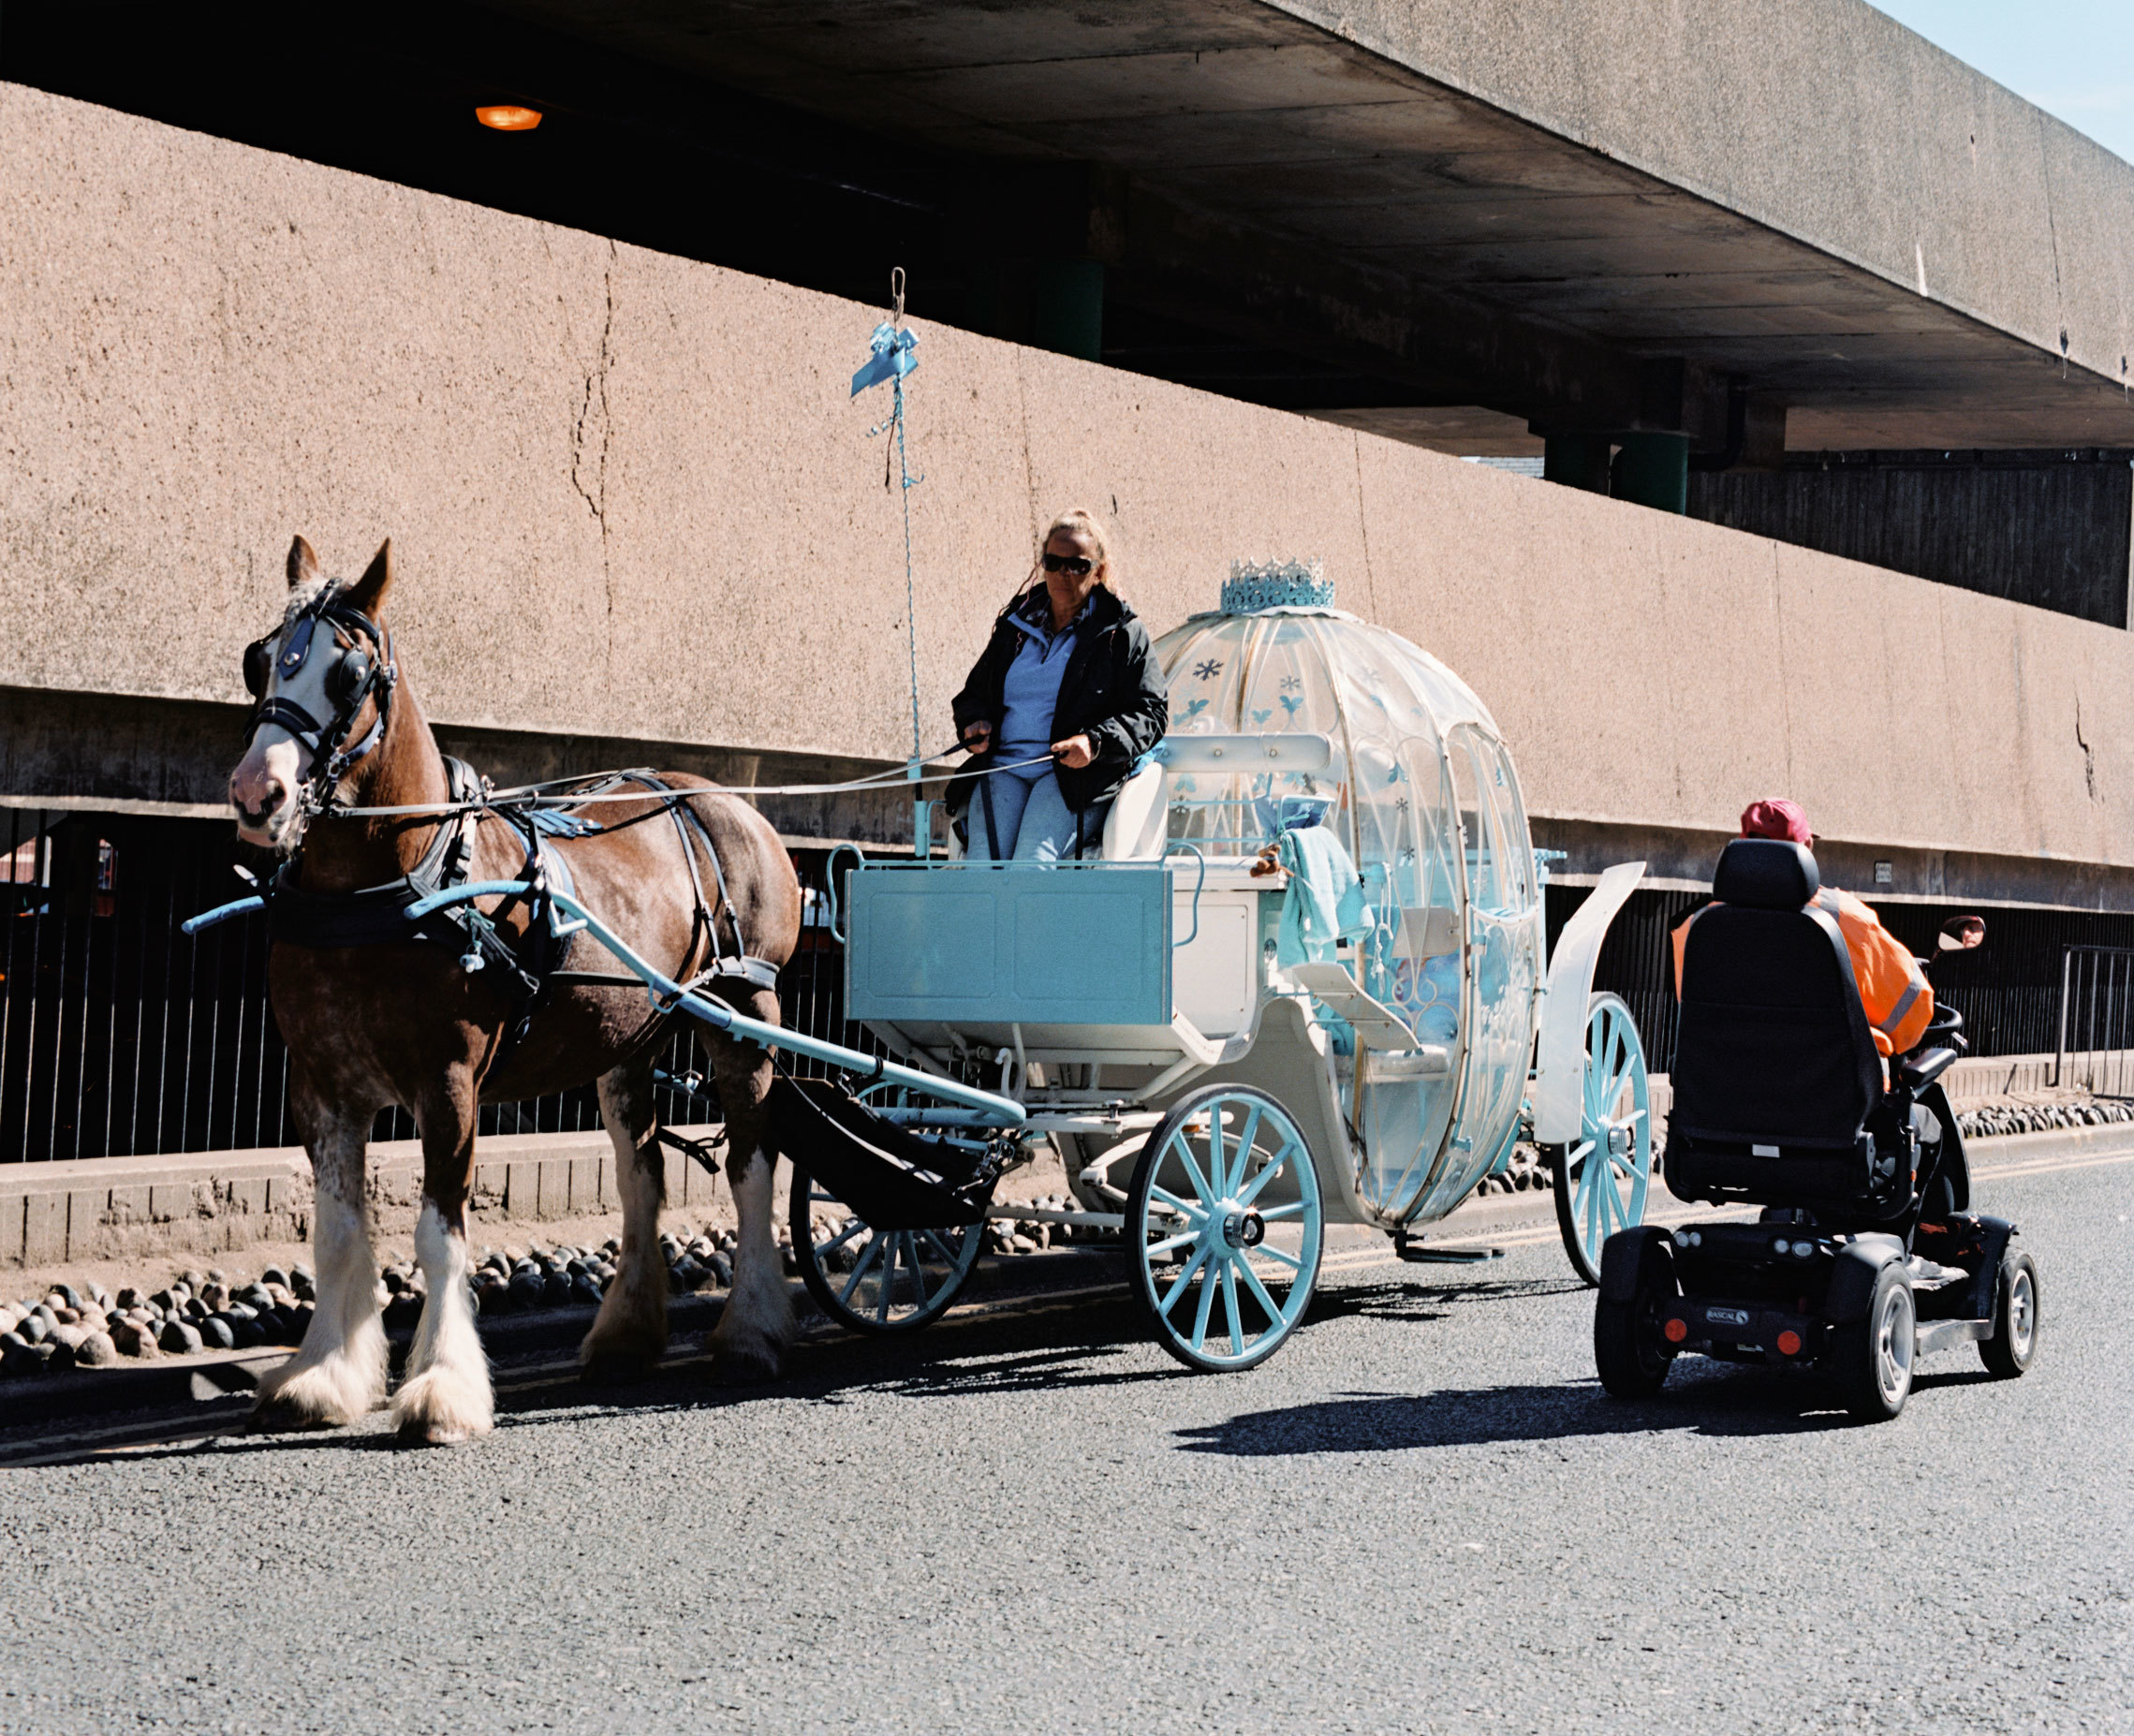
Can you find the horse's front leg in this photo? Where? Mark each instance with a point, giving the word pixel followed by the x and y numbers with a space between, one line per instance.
pixel 629 1334
pixel 339 1373
pixel 757 1327
pixel 445 1397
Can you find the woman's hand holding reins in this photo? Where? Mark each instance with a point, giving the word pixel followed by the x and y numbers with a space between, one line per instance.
pixel 1075 752
pixel 977 737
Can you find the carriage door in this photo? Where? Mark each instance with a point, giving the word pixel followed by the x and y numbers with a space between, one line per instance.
pixel 1502 946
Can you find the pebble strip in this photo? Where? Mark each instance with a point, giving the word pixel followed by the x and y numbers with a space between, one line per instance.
pixel 2015 1115
pixel 70 1328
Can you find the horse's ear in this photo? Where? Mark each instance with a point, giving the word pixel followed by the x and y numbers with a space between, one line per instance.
pixel 303 564
pixel 368 596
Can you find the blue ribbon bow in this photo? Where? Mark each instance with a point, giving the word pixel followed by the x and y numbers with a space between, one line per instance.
pixel 892 358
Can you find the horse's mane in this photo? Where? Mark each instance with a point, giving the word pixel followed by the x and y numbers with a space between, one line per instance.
pixel 302 597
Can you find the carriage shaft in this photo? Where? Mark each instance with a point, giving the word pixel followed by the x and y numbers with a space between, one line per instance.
pixel 669 997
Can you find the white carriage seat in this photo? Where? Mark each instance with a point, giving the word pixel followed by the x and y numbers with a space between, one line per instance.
pixel 1137 828
pixel 1380 1032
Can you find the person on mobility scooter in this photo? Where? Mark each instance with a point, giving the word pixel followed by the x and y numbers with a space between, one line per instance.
pixel 1782 1100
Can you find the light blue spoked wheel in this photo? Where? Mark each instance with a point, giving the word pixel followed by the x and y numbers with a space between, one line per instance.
pixel 871 1280
pixel 1601 1180
pixel 876 1280
pixel 1223 1227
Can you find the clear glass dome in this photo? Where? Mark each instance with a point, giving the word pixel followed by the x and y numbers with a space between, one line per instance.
pixel 1423 794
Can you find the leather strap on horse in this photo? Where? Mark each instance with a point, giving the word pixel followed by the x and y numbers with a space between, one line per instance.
pixel 741 966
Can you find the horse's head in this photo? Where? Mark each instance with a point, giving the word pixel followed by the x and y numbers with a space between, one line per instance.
pixel 322 685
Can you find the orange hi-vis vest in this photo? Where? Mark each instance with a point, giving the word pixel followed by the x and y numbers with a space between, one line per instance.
pixel 1894 990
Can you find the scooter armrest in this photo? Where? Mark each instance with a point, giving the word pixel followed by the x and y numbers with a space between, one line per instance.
pixel 1922 1066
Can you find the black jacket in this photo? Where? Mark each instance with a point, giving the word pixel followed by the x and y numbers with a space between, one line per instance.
pixel 1112 692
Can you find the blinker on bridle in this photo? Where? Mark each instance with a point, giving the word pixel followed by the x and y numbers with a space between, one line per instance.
pixel 355 675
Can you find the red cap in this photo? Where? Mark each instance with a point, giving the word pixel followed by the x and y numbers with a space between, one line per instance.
pixel 1776 819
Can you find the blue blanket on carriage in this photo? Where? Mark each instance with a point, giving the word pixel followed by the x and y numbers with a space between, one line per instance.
pixel 1325 900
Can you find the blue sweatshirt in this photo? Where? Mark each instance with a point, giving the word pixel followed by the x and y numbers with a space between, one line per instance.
pixel 1030 692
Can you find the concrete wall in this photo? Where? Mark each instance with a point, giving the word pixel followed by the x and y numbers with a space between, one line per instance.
pixel 1825 118
pixel 631 500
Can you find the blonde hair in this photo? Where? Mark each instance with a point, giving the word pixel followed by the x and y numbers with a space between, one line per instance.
pixel 1084 523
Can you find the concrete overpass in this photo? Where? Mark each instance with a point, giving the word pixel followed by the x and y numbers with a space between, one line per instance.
pixel 1589 216
pixel 1794 269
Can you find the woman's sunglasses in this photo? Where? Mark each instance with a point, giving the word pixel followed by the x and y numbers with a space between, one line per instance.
pixel 1074 566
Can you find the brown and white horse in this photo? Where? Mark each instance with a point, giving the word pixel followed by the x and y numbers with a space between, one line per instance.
pixel 372 1025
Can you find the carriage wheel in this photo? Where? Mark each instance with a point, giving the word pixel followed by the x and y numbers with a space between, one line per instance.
pixel 1223 1227
pixel 1601 1180
pixel 876 1280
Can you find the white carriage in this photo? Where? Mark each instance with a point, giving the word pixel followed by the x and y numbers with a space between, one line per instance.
pixel 1303 985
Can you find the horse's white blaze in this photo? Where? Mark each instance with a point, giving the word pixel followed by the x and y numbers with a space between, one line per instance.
pixel 758 1323
pixel 445 1394
pixel 269 776
pixel 340 1373
pixel 275 763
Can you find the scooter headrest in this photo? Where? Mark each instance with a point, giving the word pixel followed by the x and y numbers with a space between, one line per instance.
pixel 1766 874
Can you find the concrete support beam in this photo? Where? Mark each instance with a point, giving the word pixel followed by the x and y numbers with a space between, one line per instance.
pixel 1577 461
pixel 1652 470
pixel 1268 288
pixel 1067 312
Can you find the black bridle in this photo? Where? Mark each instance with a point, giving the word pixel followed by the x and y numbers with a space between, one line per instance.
pixel 357 674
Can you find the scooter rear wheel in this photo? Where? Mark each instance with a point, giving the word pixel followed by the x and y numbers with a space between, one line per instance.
pixel 2013 1345
pixel 1873 1357
pixel 1630 1356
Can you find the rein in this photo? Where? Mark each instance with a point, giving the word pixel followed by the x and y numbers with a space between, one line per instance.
pixel 537 797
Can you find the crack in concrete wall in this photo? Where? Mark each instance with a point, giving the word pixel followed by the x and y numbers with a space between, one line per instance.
pixel 596 463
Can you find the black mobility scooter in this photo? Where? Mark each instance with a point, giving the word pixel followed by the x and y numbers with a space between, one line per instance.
pixel 1864 1258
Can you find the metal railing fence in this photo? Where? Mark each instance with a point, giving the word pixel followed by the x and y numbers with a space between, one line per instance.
pixel 2095 1048
pixel 2008 991
pixel 119 1037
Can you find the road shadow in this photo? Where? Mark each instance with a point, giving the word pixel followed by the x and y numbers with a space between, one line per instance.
pixel 1953 1377
pixel 1088 1344
pixel 1410 1300
pixel 1101 1340
pixel 1737 1402
pixel 1091 1341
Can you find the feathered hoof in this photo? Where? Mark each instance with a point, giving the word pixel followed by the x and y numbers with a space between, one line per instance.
pixel 412 1434
pixel 613 1355
pixel 281 1417
pixel 442 1407
pixel 327 1395
pixel 745 1365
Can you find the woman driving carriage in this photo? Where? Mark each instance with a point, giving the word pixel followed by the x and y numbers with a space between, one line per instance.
pixel 1067 681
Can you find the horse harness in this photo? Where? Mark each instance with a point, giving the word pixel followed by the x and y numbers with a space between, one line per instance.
pixel 528 966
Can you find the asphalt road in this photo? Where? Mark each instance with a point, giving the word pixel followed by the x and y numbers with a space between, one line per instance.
pixel 1422 1515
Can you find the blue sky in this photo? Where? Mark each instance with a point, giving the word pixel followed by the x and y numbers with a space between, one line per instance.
pixel 2073 58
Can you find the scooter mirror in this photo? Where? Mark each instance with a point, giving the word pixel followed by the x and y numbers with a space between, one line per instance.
pixel 1962 933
